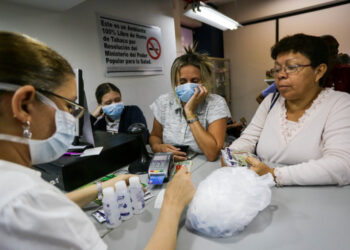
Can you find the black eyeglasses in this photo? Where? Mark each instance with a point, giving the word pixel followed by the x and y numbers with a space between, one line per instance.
pixel 74 108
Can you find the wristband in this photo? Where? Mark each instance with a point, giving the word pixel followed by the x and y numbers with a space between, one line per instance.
pixel 190 117
pixel 192 120
pixel 99 190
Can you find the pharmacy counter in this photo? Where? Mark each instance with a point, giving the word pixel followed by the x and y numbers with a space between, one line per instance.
pixel 297 218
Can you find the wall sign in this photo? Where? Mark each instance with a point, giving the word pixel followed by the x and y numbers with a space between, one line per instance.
pixel 129 48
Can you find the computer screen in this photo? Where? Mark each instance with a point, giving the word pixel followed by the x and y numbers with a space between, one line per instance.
pixel 83 127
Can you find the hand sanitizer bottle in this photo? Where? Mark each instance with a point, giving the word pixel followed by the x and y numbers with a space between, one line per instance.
pixel 110 208
pixel 123 200
pixel 137 195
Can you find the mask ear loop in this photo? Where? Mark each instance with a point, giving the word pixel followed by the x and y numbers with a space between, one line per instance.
pixel 46 100
pixel 26 130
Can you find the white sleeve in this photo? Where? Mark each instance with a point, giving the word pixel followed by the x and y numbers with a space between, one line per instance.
pixel 44 218
pixel 250 136
pixel 156 108
pixel 218 108
pixel 334 166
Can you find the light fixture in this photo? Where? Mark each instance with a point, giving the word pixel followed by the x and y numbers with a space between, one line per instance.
pixel 210 16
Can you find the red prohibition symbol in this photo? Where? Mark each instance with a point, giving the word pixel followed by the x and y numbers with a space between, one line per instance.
pixel 153 48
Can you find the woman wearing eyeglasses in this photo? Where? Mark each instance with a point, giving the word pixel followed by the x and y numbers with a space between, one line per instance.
pixel 306 133
pixel 37 117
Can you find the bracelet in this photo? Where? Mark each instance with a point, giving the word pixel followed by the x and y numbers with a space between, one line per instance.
pixel 192 120
pixel 190 117
pixel 99 190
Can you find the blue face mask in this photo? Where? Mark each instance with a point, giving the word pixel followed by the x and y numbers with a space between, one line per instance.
pixel 113 110
pixel 186 91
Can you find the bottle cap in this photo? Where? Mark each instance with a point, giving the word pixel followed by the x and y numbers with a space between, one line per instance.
pixel 108 192
pixel 120 185
pixel 134 181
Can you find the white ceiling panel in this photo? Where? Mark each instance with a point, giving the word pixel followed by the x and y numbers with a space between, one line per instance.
pixel 56 5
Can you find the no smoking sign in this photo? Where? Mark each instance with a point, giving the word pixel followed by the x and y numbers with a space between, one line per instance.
pixel 153 48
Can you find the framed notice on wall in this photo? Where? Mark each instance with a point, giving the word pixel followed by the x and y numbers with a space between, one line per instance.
pixel 129 48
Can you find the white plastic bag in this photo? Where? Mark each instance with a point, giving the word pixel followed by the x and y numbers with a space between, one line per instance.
pixel 227 201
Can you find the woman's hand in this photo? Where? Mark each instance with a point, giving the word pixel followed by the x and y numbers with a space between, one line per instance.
pixel 197 98
pixel 122 177
pixel 98 111
pixel 180 190
pixel 156 142
pixel 178 194
pixel 259 167
pixel 178 155
pixel 85 195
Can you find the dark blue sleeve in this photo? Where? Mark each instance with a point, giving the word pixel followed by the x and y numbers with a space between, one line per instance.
pixel 270 89
pixel 98 124
pixel 133 115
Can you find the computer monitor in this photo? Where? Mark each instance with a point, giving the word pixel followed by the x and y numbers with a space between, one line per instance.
pixel 84 133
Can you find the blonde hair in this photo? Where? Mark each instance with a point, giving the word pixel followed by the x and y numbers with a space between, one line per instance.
pixel 201 61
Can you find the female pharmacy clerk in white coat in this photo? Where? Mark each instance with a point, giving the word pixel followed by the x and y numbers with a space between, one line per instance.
pixel 37 117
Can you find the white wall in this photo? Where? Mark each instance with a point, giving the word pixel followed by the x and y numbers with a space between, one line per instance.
pixel 334 21
pixel 73 34
pixel 248 48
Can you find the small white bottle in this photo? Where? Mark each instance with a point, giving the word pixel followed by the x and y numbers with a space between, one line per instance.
pixel 122 197
pixel 110 208
pixel 137 195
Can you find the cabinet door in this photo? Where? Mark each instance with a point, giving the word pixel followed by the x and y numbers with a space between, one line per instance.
pixel 220 83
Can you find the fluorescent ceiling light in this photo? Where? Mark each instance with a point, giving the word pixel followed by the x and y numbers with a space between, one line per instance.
pixel 210 16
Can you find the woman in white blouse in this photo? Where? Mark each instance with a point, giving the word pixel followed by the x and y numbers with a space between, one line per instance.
pixel 304 137
pixel 189 115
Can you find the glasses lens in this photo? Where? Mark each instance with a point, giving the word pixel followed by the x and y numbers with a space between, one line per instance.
pixel 77 111
pixel 291 69
pixel 74 109
pixel 275 71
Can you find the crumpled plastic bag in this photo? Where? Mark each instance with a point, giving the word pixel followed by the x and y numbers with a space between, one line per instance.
pixel 227 201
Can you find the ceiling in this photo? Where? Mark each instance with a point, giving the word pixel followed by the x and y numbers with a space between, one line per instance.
pixel 220 2
pixel 56 5
pixel 62 5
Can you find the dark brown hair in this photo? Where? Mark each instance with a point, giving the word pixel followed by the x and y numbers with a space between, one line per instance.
pixel 313 47
pixel 103 89
pixel 26 61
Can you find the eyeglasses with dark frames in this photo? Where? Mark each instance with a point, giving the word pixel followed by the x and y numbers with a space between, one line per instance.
pixel 74 108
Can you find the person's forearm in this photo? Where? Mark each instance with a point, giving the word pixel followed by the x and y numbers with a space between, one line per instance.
pixel 83 196
pixel 154 141
pixel 259 98
pixel 165 233
pixel 205 141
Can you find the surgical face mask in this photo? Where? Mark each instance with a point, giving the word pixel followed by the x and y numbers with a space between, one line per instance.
pixel 186 91
pixel 114 110
pixel 50 149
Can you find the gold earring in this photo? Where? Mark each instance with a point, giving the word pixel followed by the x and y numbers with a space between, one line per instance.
pixel 26 130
